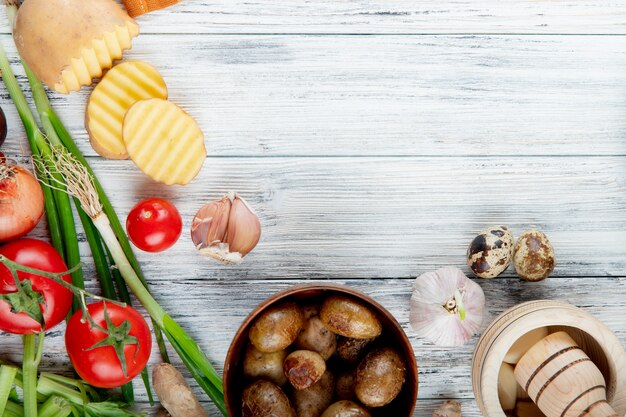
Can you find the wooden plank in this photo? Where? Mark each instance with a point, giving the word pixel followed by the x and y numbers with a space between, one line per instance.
pixel 392 217
pixel 386 95
pixel 387 16
pixel 211 311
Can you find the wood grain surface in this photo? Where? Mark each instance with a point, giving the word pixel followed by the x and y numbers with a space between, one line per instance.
pixel 389 95
pixel 388 16
pixel 375 138
pixel 391 217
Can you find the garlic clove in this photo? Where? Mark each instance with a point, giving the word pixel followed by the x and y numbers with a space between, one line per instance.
pixel 226 230
pixel 210 223
pixel 244 227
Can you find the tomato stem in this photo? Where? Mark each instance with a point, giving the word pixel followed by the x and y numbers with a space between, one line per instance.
pixel 33 348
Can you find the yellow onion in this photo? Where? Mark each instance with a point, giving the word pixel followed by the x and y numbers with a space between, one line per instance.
pixel 226 230
pixel 21 202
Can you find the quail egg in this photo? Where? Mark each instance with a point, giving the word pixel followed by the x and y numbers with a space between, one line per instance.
pixel 490 252
pixel 534 256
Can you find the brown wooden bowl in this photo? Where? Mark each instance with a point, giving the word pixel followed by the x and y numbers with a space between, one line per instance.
pixel 393 335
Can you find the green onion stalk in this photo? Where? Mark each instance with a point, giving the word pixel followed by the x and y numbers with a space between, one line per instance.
pixel 46 112
pixel 58 213
pixel 59 136
pixel 55 407
pixel 37 141
pixel 81 186
pixel 13 410
pixel 7 376
pixel 59 396
pixel 58 209
pixel 57 203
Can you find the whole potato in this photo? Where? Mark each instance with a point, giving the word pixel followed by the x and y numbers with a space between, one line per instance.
pixel 346 409
pixel 379 377
pixel 348 317
pixel 263 399
pixel 312 401
pixel 316 337
pixel 351 350
pixel 304 368
pixel 276 328
pixel 261 365
pixel 344 387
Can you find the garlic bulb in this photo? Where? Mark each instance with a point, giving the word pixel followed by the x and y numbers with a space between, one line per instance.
pixel 226 230
pixel 447 308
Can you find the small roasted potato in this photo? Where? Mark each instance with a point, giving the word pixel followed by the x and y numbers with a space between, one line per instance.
pixel 261 365
pixel 344 387
pixel 310 310
pixel 351 350
pixel 263 399
pixel 304 368
pixel 379 377
pixel 348 317
pixel 346 409
pixel 312 401
pixel 316 337
pixel 276 328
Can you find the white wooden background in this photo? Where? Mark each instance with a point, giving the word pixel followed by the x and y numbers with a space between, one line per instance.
pixel 375 138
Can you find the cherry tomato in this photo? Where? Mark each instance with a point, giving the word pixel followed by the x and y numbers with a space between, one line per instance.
pixel 100 366
pixel 154 225
pixel 57 299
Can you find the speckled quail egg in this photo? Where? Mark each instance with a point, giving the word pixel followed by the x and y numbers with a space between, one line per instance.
pixel 490 252
pixel 534 256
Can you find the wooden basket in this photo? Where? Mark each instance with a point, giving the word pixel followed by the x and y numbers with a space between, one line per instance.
pixel 595 339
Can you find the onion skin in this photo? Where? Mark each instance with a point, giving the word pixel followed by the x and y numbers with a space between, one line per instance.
pixel 21 203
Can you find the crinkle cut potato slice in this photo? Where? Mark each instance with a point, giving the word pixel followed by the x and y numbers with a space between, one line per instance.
pixel 122 86
pixel 163 141
pixel 67 43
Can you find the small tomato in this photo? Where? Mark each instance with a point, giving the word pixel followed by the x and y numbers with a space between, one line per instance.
pixel 57 300
pixel 154 225
pixel 108 360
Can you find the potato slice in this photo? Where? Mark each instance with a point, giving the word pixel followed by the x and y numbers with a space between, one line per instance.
pixel 164 141
pixel 122 86
pixel 67 43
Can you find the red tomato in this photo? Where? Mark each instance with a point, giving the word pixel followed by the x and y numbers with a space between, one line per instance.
pixel 58 300
pixel 154 225
pixel 100 366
